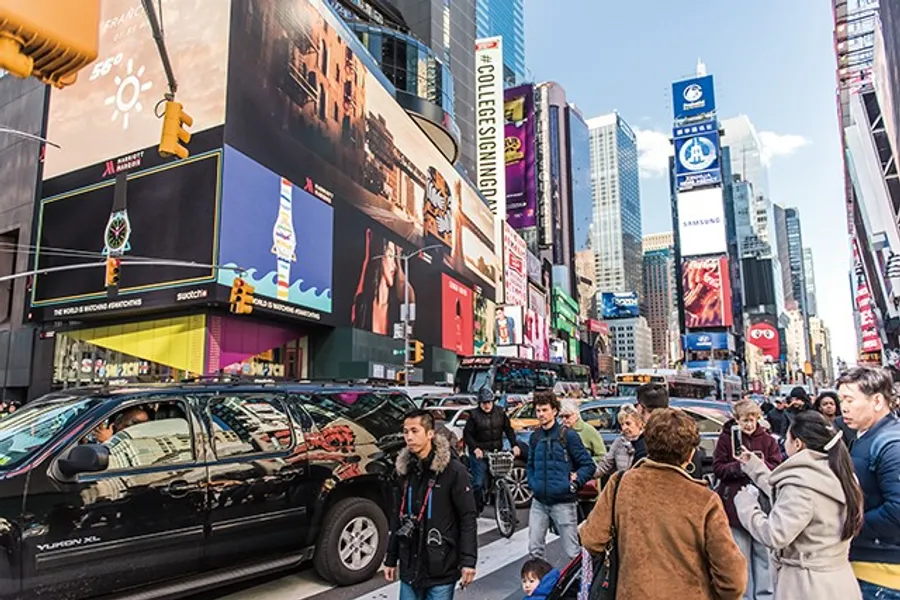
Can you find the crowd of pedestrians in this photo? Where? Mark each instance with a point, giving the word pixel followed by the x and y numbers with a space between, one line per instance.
pixel 805 501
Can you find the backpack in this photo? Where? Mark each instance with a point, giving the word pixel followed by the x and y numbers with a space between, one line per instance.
pixel 563 432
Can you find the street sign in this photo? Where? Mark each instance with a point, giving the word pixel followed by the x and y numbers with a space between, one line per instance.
pixel 398 331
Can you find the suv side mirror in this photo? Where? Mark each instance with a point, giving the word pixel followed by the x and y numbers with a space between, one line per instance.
pixel 84 458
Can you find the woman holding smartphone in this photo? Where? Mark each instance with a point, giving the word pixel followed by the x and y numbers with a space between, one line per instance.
pixel 745 432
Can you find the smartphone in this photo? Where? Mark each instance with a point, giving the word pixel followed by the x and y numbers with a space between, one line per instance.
pixel 737 445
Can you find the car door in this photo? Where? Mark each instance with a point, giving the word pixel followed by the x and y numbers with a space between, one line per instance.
pixel 138 521
pixel 257 479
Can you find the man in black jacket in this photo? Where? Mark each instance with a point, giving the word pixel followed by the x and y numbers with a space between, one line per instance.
pixel 484 432
pixel 434 535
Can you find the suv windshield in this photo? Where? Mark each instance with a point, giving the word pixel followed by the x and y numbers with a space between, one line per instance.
pixel 25 431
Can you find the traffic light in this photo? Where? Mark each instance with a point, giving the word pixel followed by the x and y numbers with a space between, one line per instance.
pixel 113 269
pixel 173 132
pixel 51 39
pixel 241 299
pixel 416 352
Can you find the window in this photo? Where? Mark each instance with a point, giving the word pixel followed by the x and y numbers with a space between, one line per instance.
pixel 380 413
pixel 148 435
pixel 249 424
pixel 26 431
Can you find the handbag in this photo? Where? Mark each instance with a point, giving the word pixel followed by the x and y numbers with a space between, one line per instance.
pixel 606 567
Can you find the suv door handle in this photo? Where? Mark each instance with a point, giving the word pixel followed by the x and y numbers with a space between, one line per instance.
pixel 177 488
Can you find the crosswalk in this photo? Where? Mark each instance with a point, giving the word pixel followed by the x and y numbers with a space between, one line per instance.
pixel 494 553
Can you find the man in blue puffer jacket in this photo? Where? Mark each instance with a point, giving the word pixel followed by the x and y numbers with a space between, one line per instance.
pixel 558 466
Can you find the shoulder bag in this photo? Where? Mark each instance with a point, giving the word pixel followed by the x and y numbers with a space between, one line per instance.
pixel 606 566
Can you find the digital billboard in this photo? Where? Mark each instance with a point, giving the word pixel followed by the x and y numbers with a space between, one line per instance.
pixel 279 232
pixel 508 325
pixel 521 171
pixel 707 293
pixel 111 111
pixel 619 305
pixel 763 334
pixel 693 97
pixel 701 222
pixel 166 213
pixel 697 155
pixel 536 334
pixel 456 316
pixel 707 340
pixel 489 125
pixel 515 276
pixel 307 101
pixel 484 324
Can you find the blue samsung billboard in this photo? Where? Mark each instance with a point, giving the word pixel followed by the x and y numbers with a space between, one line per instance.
pixel 697 157
pixel 619 305
pixel 693 97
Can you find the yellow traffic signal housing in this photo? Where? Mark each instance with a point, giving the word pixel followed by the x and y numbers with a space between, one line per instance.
pixel 174 136
pixel 247 300
pixel 416 351
pixel 113 271
pixel 241 299
pixel 49 39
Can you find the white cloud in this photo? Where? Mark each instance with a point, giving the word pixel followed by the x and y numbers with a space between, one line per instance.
pixel 776 144
pixel 654 150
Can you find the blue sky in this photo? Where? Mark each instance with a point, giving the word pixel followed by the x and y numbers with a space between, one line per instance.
pixel 772 60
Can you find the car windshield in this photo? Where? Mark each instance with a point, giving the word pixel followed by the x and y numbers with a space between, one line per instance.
pixel 470 381
pixel 28 429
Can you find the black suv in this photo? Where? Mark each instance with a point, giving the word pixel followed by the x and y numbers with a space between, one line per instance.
pixel 182 487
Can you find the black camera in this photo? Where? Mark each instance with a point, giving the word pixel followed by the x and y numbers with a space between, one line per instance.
pixel 407 526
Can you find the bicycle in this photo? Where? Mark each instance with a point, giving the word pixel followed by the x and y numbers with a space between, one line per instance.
pixel 500 465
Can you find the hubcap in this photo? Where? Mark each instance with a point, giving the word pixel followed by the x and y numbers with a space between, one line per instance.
pixel 358 543
pixel 518 485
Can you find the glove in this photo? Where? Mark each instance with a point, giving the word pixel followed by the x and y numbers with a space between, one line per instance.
pixel 747 498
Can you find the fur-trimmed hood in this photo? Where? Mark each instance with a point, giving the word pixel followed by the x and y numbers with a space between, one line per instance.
pixel 439 462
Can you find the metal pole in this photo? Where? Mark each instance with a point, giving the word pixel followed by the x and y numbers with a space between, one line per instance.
pixel 161 46
pixel 406 320
pixel 29 136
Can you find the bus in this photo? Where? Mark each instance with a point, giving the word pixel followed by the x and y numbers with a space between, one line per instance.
pixel 514 379
pixel 728 387
pixel 679 385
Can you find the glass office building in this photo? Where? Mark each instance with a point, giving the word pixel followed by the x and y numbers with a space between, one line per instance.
pixel 505 18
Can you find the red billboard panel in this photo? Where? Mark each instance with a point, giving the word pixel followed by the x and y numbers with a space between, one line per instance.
pixel 707 293
pixel 457 316
pixel 764 336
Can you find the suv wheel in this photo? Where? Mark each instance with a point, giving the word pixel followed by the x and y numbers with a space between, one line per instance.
pixel 352 542
pixel 518 485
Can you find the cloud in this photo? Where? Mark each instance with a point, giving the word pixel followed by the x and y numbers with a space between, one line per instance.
pixel 654 150
pixel 776 144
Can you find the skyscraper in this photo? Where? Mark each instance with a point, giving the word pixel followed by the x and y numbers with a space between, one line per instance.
pixel 795 256
pixel 617 243
pixel 505 18
pixel 811 308
pixel 746 152
pixel 783 253
pixel 449 29
pixel 659 292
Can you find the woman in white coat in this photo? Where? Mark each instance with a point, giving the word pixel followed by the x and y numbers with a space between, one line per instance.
pixel 816 511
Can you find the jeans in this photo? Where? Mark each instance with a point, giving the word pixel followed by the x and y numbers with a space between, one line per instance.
pixel 478 467
pixel 759 567
pixel 870 591
pixel 438 592
pixel 564 517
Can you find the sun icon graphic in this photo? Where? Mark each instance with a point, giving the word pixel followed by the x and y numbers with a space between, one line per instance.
pixel 127 96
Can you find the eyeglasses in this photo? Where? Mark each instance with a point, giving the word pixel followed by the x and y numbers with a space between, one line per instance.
pixel 567 415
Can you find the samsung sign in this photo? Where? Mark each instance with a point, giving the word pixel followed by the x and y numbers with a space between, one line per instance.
pixel 697 160
pixel 693 97
pixel 701 222
pixel 489 123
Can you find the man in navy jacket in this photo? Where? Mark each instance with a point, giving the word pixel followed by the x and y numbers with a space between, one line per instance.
pixel 558 466
pixel 867 403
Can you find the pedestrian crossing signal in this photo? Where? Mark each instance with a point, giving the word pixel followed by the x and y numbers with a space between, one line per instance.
pixel 241 299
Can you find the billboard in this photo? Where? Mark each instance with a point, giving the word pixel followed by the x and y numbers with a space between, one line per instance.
pixel 763 334
pixel 489 126
pixel 457 307
pixel 166 213
pixel 308 102
pixel 693 97
pixel 707 340
pixel 484 324
pixel 508 325
pixel 537 301
pixel 111 112
pixel 279 232
pixel 536 333
pixel 619 305
pixel 521 171
pixel 707 293
pixel 701 222
pixel 697 159
pixel 515 277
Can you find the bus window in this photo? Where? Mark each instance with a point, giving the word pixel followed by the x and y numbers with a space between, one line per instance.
pixel 515 377
pixel 470 381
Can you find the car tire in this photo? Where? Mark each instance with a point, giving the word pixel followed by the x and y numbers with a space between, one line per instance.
pixel 352 542
pixel 518 484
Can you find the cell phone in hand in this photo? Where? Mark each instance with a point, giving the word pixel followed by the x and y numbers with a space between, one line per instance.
pixel 737 445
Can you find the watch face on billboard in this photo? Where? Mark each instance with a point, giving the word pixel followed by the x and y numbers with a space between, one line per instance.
pixel 112 110
pixel 701 222
pixel 707 293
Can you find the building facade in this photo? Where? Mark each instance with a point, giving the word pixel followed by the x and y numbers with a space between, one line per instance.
pixel 505 18
pixel 584 272
pixel 658 304
pixel 631 340
pixel 822 358
pixel 810 279
pixel 795 257
pixel 617 231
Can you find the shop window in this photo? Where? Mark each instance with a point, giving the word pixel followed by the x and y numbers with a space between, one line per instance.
pixel 8 253
pixel 244 424
pixel 146 435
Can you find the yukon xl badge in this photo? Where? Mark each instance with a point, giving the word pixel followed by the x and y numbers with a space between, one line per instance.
pixel 91 539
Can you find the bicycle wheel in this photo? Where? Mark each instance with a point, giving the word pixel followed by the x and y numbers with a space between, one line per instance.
pixel 504 509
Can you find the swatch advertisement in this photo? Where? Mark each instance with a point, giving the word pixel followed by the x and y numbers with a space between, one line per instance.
pixel 279 232
pixel 457 329
pixel 110 112
pixel 508 326
pixel 707 293
pixel 521 172
pixel 515 276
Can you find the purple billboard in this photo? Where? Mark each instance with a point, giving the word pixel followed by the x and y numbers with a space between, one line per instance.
pixel 521 205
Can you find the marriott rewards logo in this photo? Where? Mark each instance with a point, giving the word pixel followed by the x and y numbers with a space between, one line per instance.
pixel 124 163
pixel 490 164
